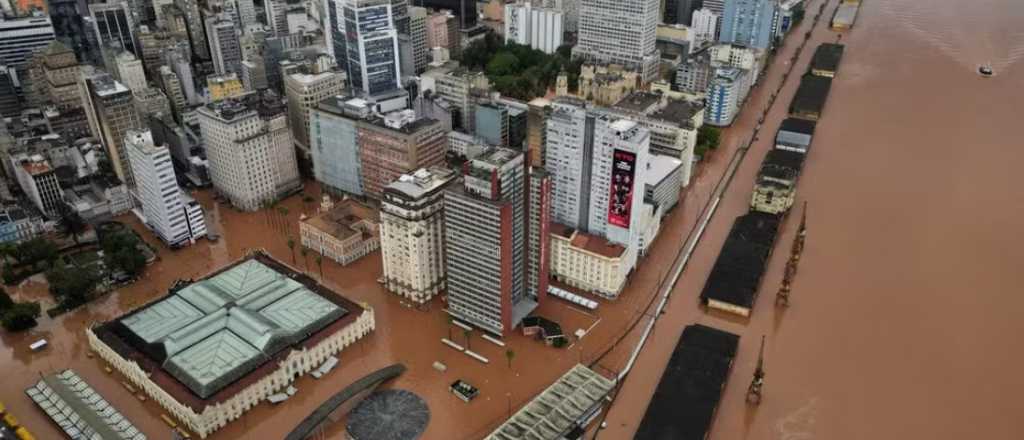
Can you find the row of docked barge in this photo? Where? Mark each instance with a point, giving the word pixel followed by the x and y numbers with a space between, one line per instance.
pixel 685 402
pixel 736 276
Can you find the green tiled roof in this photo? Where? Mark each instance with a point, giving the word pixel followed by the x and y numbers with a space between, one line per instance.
pixel 214 331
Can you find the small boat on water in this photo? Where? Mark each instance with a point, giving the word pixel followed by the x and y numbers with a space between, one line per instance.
pixel 985 70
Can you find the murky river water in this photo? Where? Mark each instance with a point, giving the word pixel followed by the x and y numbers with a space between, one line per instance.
pixel 905 316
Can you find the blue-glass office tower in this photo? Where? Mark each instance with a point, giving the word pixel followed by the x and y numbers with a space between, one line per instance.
pixel 364 42
pixel 749 23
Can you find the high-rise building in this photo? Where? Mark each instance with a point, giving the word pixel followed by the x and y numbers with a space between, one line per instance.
pixel 464 10
pixel 127 70
pixel 620 32
pixel 110 108
pixel 458 87
pixel 593 159
pixel 750 23
pixel 488 218
pixel 249 147
pixel 536 131
pixel 246 11
pixel 440 26
pixel 151 101
pixel 54 78
pixel 225 49
pixel 726 92
pixel 539 28
pixel 418 36
pixel 412 233
pixel 194 25
pixel 334 144
pixel 398 143
pixel 38 180
pixel 114 24
pixel 304 91
pixel 704 26
pixel 172 217
pixel 10 105
pixel 277 16
pixel 492 123
pixel 371 46
pixel 171 86
pixel 71 29
pixel 680 11
pixel 20 38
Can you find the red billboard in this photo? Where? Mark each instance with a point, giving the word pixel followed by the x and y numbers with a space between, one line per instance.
pixel 620 202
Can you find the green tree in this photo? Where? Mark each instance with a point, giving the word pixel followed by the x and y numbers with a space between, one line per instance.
pixel 5 300
pixel 467 334
pixel 36 250
pixel 71 284
pixel 70 222
pixel 120 250
pixel 130 260
pixel 509 354
pixel 20 316
pixel 291 247
pixel 320 264
pixel 448 322
pixel 283 211
pixel 305 262
pixel 504 63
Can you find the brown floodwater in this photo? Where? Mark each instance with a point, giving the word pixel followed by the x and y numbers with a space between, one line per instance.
pixel 903 323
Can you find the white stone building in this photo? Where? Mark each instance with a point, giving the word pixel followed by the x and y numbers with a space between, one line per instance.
pixel 412 234
pixel 250 152
pixel 539 28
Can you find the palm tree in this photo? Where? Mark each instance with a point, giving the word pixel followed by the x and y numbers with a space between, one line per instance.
pixel 291 247
pixel 509 354
pixel 320 264
pixel 466 333
pixel 284 217
pixel 305 263
pixel 448 323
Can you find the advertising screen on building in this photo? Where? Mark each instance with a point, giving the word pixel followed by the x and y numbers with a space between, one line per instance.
pixel 621 201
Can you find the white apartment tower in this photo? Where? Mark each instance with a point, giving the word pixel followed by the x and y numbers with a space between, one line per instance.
pixel 704 27
pixel 225 48
pixel 412 233
pixel 539 28
pixel 620 32
pixel 249 147
pixel 172 216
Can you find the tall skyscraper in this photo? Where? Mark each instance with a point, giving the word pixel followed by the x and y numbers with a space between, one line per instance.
pixel 593 160
pixel 114 24
pixel 225 49
pixel 246 11
pixel 418 35
pixel 726 92
pixel 20 38
pixel 704 25
pixel 488 219
pixel 370 45
pixel 536 131
pixel 111 112
pixel 621 32
pixel 249 147
pixel 71 29
pixel 277 16
pixel 172 217
pixel 539 28
pixel 680 11
pixel 750 23
pixel 194 25
pixel 412 233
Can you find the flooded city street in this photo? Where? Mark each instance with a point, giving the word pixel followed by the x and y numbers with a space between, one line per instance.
pixel 903 318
